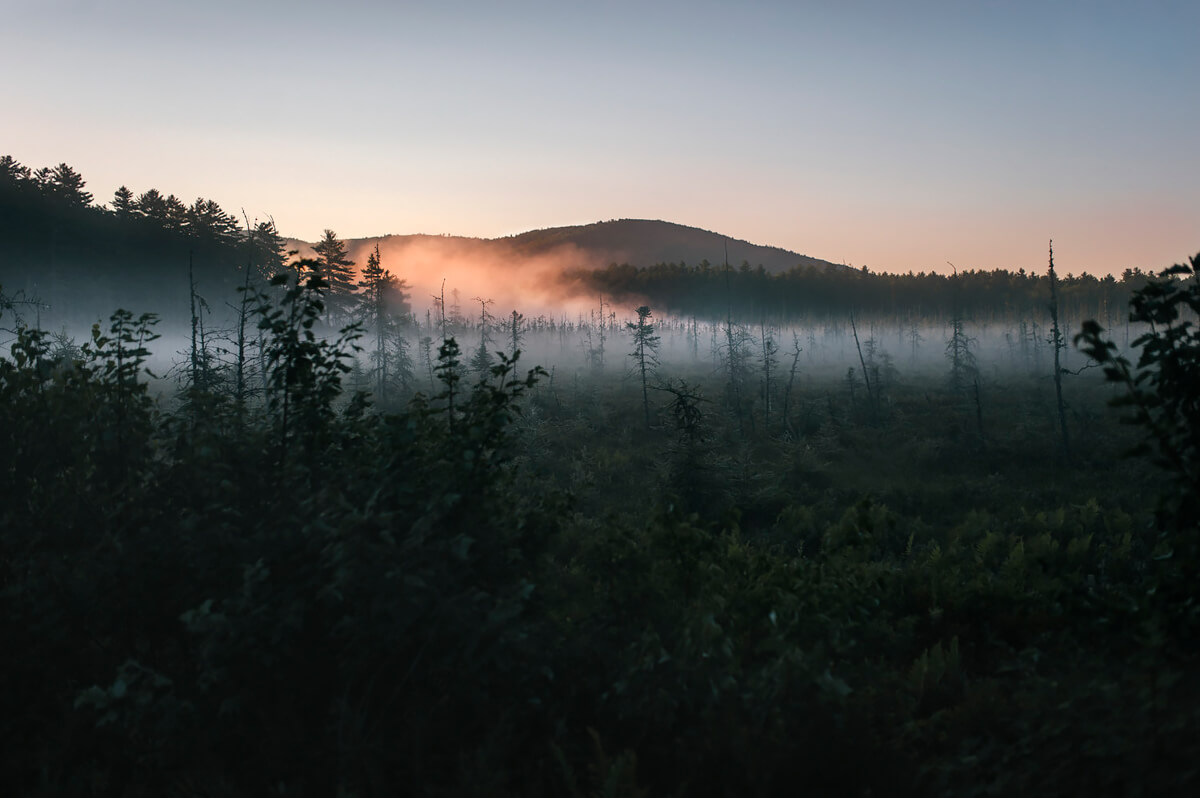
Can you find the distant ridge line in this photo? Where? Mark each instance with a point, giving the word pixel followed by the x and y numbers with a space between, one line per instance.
pixel 637 242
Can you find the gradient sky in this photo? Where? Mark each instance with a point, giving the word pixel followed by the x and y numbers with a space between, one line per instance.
pixel 896 135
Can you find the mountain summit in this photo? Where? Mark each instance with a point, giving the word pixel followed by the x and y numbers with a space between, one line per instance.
pixel 645 242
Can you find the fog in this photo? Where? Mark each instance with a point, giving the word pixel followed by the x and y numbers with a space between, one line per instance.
pixel 563 326
pixel 532 284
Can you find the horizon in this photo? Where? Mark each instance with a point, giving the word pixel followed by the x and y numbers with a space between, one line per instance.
pixel 861 134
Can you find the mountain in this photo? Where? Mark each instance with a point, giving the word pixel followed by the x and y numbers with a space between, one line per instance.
pixel 643 242
pixel 638 242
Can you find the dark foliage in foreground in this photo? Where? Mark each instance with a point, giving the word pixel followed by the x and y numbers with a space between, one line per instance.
pixel 307 597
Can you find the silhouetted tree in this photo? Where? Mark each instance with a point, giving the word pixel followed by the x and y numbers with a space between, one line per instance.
pixel 449 370
pixel 862 362
pixel 515 330
pixel 963 368
pixel 12 173
pixel 1162 395
pixel 175 214
pixel 737 354
pixel 481 362
pixel 336 268
pixel 378 311
pixel 426 343
pixel 205 220
pixel 1162 392
pixel 645 353
pixel 304 372
pixel 123 204
pixel 268 250
pixel 63 184
pixel 402 365
pixel 152 205
pixel 1058 343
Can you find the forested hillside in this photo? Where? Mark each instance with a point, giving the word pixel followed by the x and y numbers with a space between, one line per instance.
pixel 81 259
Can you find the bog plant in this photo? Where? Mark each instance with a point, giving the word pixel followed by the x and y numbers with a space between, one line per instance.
pixel 1161 394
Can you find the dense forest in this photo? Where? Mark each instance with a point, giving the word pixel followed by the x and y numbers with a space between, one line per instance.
pixel 81 260
pixel 705 289
pixel 834 532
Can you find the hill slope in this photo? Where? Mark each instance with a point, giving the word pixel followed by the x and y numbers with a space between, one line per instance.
pixel 638 242
pixel 539 271
pixel 643 242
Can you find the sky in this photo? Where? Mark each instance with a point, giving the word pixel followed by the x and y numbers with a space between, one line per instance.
pixel 901 136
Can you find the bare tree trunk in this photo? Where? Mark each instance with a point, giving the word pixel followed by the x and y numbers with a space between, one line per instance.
pixel 863 362
pixel 1056 338
pixel 787 394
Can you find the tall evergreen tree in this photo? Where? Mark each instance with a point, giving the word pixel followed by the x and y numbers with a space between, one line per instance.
pixel 63 184
pixel 645 353
pixel 963 368
pixel 268 252
pixel 207 221
pixel 175 213
pixel 481 362
pixel 373 310
pixel 337 269
pixel 123 202
pixel 515 329
pixel 152 204
pixel 401 368
pixel 13 173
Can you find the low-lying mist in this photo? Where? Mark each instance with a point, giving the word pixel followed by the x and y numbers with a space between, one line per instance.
pixel 564 323
pixel 537 284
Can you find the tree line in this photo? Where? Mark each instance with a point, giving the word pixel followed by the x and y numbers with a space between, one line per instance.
pixel 710 291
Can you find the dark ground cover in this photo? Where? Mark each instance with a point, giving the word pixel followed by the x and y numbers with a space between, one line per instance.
pixel 512 587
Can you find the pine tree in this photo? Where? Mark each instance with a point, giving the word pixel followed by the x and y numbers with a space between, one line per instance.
pixel 63 184
pixel 373 314
pixel 207 221
pixel 379 302
pixel 645 353
pixel 152 205
pixel 12 173
pixel 402 366
pixel 337 270
pixel 175 213
pixel 515 331
pixel 123 205
pixel 481 362
pixel 268 250
pixel 963 369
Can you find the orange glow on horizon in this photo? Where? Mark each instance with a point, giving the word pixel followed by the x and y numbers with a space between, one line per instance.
pixel 530 284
